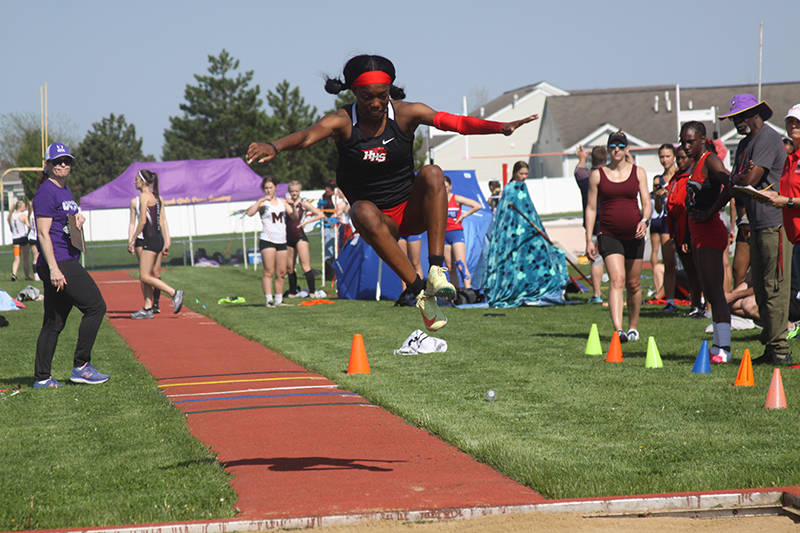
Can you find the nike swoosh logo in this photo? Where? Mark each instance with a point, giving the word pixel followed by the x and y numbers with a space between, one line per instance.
pixel 387 141
pixel 428 323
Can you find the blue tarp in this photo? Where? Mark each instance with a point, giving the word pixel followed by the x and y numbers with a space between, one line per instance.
pixel 522 268
pixel 357 264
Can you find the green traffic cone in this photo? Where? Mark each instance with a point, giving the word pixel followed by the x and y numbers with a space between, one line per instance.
pixel 593 344
pixel 653 357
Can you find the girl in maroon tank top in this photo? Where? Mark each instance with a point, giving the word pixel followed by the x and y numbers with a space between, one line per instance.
pixel 619 187
pixel 619 206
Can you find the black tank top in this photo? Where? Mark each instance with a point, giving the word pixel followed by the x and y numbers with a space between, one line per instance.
pixel 152 224
pixel 380 169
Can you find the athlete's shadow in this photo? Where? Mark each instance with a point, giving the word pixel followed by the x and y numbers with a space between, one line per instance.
pixel 297 464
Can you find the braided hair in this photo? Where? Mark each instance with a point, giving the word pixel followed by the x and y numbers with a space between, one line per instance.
pixel 700 128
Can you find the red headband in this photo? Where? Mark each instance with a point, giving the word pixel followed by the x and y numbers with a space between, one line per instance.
pixel 371 77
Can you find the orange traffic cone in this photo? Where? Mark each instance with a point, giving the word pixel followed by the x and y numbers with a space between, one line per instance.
pixel 358 357
pixel 745 376
pixel 776 399
pixel 615 350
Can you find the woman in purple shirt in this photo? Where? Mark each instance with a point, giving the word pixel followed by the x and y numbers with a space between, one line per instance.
pixel 66 282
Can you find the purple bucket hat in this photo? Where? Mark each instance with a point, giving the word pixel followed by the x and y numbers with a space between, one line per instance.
pixel 743 102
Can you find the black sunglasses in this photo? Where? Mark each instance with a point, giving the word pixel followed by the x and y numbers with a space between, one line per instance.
pixel 62 161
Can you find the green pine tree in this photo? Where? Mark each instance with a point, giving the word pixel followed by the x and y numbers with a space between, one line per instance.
pixel 221 116
pixel 104 154
pixel 313 166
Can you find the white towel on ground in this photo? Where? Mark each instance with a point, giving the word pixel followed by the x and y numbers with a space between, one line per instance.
pixel 420 342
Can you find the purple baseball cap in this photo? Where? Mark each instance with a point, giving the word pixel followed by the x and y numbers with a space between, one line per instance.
pixel 56 150
pixel 743 102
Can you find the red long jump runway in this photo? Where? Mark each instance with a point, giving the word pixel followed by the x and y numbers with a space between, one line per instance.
pixel 297 445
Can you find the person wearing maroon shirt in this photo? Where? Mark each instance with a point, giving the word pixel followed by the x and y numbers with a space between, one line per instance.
pixel 616 189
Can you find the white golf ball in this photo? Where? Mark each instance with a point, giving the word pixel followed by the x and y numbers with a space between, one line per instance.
pixel 491 395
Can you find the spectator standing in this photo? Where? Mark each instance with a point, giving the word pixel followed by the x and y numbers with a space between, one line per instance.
pixel 707 194
pixel 759 162
pixel 327 204
pixel 65 282
pixel 297 242
pixel 495 191
pixel 272 244
pixel 582 174
pixel 616 190
pixel 663 273
pixel 20 226
pixel 33 238
pixel 790 188
pixel 678 224
pixel 455 247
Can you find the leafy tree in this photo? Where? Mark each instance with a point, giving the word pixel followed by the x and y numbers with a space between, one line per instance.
pixel 29 154
pixel 313 166
pixel 21 143
pixel 221 116
pixel 106 151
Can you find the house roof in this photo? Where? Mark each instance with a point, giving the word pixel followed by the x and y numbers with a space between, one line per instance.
pixel 632 109
pixel 496 105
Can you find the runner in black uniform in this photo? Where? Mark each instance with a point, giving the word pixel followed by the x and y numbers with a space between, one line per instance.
pixel 374 138
pixel 152 243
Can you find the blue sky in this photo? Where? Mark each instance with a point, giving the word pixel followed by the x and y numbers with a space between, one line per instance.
pixel 135 58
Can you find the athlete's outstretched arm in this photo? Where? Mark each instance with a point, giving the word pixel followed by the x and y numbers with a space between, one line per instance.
pixel 421 114
pixel 329 126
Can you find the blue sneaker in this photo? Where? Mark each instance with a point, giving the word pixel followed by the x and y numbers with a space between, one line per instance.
pixel 88 374
pixel 670 308
pixel 49 382
pixel 595 300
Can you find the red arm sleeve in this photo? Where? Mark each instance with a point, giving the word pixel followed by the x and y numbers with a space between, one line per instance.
pixel 465 125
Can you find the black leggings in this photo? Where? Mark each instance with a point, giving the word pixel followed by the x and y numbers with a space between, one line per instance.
pixel 80 291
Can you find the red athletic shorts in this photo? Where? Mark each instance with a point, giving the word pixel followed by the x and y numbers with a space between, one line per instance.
pixel 711 234
pixel 398 213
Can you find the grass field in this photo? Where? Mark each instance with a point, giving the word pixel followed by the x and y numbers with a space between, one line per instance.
pixel 565 424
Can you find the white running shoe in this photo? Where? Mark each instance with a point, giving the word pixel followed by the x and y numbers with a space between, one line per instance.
pixel 438 284
pixel 431 314
pixel 724 356
pixel 633 335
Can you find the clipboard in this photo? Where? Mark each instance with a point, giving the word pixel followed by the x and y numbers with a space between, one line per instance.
pixel 76 235
pixel 750 191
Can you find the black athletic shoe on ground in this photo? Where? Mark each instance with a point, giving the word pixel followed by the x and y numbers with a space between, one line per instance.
pixel 772 358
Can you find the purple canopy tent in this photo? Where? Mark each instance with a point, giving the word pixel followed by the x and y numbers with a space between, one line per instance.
pixel 184 183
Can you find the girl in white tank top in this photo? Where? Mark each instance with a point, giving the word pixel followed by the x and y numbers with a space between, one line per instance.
pixel 273 220
pixel 273 213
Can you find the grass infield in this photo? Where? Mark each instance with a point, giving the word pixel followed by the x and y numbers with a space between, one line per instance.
pixel 565 424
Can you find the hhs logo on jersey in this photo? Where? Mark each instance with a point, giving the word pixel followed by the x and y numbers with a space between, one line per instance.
pixel 375 155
